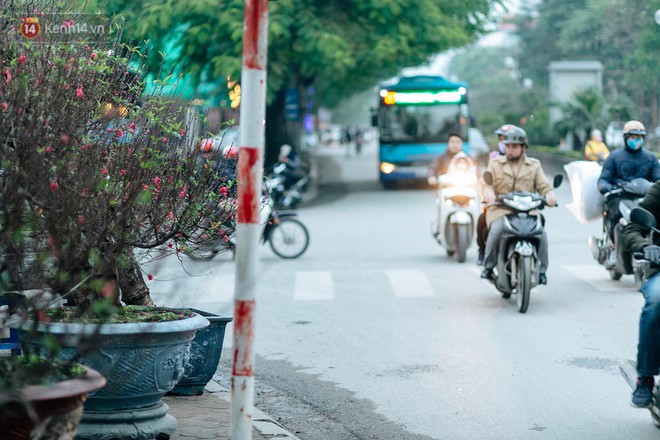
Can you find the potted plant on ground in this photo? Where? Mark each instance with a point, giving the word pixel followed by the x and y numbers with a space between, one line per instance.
pixel 94 178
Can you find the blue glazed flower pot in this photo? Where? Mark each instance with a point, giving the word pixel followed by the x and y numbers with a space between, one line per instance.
pixel 205 352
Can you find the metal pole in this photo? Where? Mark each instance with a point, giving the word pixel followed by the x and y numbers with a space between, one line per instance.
pixel 250 163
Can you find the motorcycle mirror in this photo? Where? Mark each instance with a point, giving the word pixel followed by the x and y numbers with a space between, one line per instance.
pixel 642 217
pixel 557 180
pixel 488 177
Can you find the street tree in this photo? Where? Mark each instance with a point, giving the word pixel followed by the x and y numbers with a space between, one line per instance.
pixel 323 50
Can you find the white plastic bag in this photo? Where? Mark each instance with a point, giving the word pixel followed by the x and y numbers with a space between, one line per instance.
pixel 587 204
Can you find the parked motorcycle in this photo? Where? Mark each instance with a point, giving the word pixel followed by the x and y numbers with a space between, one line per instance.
pixel 632 194
pixel 286 186
pixel 286 235
pixel 517 270
pixel 458 206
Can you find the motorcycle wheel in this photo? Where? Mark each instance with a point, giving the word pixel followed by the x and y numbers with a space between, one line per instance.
pixel 461 242
pixel 289 239
pixel 524 283
pixel 616 276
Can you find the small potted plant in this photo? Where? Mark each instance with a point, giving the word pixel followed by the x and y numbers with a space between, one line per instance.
pixel 95 178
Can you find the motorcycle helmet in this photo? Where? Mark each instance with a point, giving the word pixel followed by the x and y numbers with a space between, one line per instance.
pixel 516 135
pixel 504 129
pixel 633 128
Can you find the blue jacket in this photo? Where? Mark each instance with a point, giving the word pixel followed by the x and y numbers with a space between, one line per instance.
pixel 624 166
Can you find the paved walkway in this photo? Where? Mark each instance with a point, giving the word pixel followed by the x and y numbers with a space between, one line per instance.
pixel 207 417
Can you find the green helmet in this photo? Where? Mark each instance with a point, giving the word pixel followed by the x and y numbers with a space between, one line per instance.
pixel 502 131
pixel 515 135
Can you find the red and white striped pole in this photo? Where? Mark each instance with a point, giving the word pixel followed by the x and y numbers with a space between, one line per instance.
pixel 250 162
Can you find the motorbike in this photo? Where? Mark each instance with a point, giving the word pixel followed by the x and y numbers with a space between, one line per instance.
pixel 517 270
pixel 286 186
pixel 631 193
pixel 628 368
pixel 458 206
pixel 286 235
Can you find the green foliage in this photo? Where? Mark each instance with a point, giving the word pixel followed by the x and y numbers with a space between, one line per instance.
pixel 106 313
pixel 19 371
pixel 339 48
pixel 622 34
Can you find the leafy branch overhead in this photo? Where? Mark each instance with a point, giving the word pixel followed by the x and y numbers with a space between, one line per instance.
pixel 339 47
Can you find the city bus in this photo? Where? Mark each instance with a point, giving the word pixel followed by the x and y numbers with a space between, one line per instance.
pixel 415 116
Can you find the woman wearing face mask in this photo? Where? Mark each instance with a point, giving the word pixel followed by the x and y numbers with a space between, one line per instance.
pixel 622 166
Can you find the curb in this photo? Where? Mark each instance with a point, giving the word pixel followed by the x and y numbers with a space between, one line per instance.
pixel 261 421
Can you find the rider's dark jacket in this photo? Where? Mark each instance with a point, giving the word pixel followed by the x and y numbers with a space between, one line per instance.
pixel 634 237
pixel 624 165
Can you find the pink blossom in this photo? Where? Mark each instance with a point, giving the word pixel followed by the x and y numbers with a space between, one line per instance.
pixel 184 193
pixel 170 215
pixel 22 59
pixel 3 106
pixel 7 75
pixel 132 126
pixel 120 133
pixel 226 238
pixel 223 191
pixel 151 277
pixel 182 132
pixel 157 181
pixel 164 139
pixel 81 219
pixel 49 149
pixel 145 187
pixel 148 131
pixel 65 139
pixel 87 47
pixel 171 245
pixel 54 186
pixel 122 172
pixel 94 55
pixel 104 171
pixel 79 92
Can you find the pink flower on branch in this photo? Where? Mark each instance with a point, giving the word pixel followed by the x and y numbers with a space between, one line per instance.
pixel 22 59
pixel 79 92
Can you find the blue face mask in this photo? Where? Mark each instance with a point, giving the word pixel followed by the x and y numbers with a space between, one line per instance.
pixel 635 144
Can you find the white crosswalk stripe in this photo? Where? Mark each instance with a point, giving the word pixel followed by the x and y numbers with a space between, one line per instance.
pixel 410 283
pixel 313 286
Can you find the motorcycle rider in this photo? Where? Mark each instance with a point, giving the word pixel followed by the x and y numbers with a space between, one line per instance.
pixel 514 171
pixel 439 167
pixel 595 149
pixel 635 238
pixel 482 228
pixel 622 166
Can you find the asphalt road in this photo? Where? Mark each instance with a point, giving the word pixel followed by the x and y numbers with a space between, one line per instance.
pixel 375 333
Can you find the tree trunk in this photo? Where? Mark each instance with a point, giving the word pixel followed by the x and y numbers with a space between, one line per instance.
pixel 134 290
pixel 276 128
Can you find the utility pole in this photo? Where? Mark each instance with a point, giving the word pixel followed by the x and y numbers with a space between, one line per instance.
pixel 250 172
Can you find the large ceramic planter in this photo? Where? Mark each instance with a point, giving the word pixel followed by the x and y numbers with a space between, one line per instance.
pixel 205 352
pixel 58 408
pixel 141 363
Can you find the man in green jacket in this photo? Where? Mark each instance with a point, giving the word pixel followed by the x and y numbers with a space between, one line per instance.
pixel 636 238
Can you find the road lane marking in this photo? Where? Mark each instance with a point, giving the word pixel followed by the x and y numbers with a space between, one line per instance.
pixel 410 283
pixel 313 286
pixel 599 278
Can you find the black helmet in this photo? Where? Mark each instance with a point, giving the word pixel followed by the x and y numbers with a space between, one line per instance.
pixel 515 135
pixel 504 129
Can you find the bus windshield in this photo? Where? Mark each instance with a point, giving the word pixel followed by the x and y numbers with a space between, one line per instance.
pixel 421 123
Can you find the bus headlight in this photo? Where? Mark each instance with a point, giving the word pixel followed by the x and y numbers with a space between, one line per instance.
pixel 386 167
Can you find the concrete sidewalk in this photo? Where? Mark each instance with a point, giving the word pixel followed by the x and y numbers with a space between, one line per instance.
pixel 207 417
